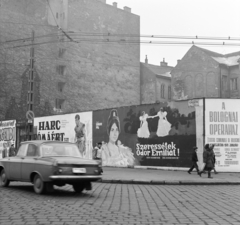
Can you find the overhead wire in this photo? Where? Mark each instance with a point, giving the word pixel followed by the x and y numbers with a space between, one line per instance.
pixel 229 38
pixel 77 35
pixel 136 42
pixel 80 33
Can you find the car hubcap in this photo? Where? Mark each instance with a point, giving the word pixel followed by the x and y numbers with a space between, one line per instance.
pixel 38 183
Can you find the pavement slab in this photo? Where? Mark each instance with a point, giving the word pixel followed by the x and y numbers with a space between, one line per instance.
pixel 163 177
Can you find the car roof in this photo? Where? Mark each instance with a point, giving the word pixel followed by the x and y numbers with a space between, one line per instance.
pixel 39 142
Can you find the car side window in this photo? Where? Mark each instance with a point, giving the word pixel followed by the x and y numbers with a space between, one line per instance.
pixel 32 150
pixel 22 150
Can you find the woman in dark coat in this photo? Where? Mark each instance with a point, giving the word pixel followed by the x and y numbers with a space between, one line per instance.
pixel 208 159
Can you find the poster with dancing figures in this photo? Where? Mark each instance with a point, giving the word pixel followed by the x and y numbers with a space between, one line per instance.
pixel 148 135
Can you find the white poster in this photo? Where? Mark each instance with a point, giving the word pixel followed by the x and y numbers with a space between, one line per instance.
pixel 7 136
pixel 75 128
pixel 222 129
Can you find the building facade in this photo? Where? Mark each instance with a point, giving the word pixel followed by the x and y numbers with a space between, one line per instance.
pixel 79 58
pixel 203 73
pixel 155 82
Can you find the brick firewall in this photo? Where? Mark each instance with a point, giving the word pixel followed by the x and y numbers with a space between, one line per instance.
pixel 96 75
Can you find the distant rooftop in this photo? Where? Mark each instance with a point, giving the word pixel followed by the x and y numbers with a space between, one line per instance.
pixel 162 70
pixel 230 59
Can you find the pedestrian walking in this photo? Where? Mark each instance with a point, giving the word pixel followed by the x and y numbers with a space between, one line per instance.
pixel 12 151
pixel 97 154
pixel 214 159
pixel 208 159
pixel 4 152
pixel 194 160
pixel 97 151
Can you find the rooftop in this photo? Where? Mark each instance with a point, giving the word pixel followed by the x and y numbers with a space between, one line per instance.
pixel 162 70
pixel 230 59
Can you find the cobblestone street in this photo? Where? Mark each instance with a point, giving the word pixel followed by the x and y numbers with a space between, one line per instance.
pixel 122 204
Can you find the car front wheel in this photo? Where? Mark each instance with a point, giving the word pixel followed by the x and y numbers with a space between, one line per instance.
pixel 38 184
pixel 4 182
pixel 78 188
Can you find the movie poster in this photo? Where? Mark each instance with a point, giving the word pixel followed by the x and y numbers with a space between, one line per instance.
pixel 7 136
pixel 75 128
pixel 147 135
pixel 223 130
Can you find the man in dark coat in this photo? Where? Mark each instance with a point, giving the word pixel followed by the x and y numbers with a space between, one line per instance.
pixel 208 160
pixel 4 153
pixel 97 154
pixel 214 159
pixel 12 151
pixel 194 161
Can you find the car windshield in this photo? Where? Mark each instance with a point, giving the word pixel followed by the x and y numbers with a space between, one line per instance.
pixel 59 149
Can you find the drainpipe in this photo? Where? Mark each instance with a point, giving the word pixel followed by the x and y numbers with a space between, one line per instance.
pixel 220 84
pixel 228 83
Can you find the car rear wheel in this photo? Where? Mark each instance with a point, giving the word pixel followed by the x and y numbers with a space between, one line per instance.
pixel 4 182
pixel 78 188
pixel 38 184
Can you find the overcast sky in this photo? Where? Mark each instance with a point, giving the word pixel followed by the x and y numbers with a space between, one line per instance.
pixel 211 18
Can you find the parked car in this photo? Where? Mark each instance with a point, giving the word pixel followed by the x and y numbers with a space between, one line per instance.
pixel 48 163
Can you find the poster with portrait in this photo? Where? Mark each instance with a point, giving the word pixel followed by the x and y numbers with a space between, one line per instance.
pixel 74 127
pixel 222 118
pixel 160 134
pixel 7 136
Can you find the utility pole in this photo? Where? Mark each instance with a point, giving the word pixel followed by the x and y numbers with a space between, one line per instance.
pixel 30 99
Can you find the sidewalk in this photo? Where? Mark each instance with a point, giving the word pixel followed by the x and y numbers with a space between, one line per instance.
pixel 161 177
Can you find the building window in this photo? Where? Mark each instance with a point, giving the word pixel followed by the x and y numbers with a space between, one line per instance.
pixel 60 69
pixel 61 52
pixel 169 92
pixel 224 83
pixel 162 91
pixel 59 103
pixel 60 86
pixel 233 84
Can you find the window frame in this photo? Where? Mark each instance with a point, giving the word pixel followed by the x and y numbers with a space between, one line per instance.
pixel 36 151
pixel 163 91
pixel 234 84
pixel 20 149
pixel 169 92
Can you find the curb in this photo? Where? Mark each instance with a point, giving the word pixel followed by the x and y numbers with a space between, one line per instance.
pixel 166 182
pixel 151 168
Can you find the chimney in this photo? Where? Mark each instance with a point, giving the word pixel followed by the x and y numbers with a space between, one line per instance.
pixel 115 4
pixel 146 60
pixel 127 9
pixel 163 63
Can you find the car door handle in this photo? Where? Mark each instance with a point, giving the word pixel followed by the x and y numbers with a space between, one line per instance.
pixel 22 157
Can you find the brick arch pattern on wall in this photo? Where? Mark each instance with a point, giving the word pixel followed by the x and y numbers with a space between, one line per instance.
pixel 199 87
pixel 188 80
pixel 211 85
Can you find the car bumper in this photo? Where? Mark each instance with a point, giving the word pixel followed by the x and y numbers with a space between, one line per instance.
pixel 74 178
